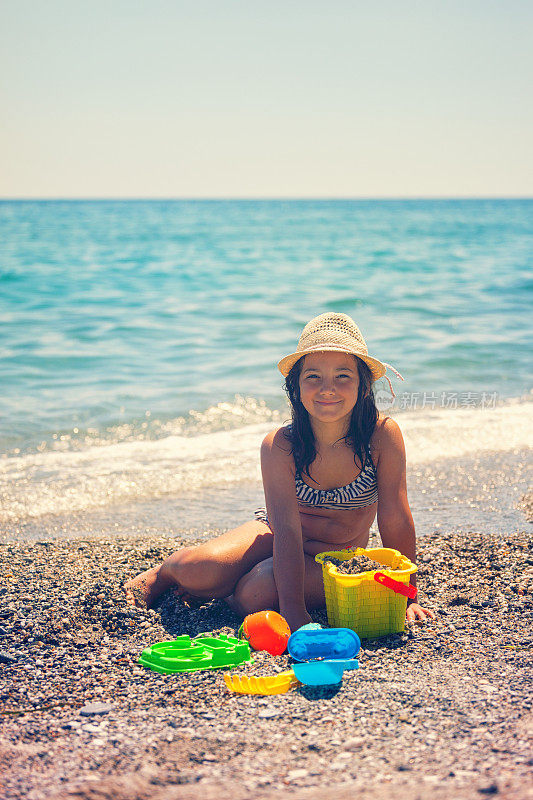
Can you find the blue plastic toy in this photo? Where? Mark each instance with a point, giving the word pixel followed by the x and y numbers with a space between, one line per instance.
pixel 324 653
pixel 311 626
pixel 323 673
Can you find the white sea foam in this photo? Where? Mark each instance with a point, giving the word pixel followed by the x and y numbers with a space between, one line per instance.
pixel 442 433
pixel 55 482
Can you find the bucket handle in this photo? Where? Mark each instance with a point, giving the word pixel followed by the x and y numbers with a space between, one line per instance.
pixel 396 586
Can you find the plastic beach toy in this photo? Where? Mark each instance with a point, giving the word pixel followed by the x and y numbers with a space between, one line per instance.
pixel 311 626
pixel 324 654
pixel 323 673
pixel 204 652
pixel 266 630
pixel 359 601
pixel 259 684
pixel 337 643
pixel 396 586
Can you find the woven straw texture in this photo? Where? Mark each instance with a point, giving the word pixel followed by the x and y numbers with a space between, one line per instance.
pixel 358 601
pixel 336 333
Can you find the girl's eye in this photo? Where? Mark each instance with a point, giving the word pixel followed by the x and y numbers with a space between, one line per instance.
pixel 311 377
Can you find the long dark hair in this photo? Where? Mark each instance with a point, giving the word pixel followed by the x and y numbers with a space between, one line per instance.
pixel 362 422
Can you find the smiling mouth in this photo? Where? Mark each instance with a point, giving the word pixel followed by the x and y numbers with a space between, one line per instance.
pixel 328 402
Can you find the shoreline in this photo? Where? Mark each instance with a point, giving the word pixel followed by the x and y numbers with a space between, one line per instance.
pixel 481 492
pixel 467 468
pixel 443 709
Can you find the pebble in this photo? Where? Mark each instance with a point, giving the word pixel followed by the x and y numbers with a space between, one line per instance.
pixel 355 743
pixel 6 658
pixel 491 789
pixel 95 709
pixel 296 774
pixel 91 728
pixel 268 714
pixel 418 703
pixel 71 725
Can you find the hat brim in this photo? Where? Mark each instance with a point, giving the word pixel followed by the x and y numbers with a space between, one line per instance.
pixel 377 368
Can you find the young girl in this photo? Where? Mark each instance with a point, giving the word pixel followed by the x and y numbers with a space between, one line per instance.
pixel 325 476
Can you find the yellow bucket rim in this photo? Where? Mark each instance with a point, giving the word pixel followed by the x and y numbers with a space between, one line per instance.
pixel 407 566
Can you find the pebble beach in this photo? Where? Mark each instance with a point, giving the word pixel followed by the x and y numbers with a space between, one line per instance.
pixel 139 349
pixel 441 710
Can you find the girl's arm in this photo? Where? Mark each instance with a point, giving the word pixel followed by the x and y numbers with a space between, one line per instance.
pixel 277 466
pixel 395 521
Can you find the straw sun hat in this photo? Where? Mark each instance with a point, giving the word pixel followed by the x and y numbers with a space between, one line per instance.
pixel 336 333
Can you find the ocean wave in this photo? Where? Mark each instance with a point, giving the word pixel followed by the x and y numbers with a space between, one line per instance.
pixel 223 416
pixel 188 459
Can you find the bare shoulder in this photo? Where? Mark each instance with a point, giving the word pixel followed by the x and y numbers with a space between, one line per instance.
pixel 276 453
pixel 387 436
pixel 276 444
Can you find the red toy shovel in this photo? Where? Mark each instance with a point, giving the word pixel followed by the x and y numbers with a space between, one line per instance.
pixel 396 586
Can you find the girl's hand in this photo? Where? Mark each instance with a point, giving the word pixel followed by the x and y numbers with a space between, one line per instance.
pixel 416 613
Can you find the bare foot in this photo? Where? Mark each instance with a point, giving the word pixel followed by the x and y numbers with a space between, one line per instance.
pixel 144 589
pixel 187 598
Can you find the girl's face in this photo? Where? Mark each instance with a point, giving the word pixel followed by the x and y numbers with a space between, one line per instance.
pixel 329 383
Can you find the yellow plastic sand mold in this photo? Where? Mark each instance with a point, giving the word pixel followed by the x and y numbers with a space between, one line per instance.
pixel 358 601
pixel 259 684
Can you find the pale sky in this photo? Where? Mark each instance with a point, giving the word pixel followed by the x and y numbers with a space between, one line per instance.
pixel 265 98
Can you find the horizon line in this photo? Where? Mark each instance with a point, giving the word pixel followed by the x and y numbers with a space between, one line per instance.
pixel 229 198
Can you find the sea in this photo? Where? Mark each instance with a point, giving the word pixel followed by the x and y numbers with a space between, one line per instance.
pixel 139 341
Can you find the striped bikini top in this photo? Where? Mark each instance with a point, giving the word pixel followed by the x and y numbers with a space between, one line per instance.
pixel 363 491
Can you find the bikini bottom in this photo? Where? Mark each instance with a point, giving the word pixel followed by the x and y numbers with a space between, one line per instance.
pixel 261 516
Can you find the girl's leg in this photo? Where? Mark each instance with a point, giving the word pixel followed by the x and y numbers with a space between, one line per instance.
pixel 209 570
pixel 257 590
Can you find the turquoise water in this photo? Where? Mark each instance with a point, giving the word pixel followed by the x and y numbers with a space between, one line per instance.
pixel 122 319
